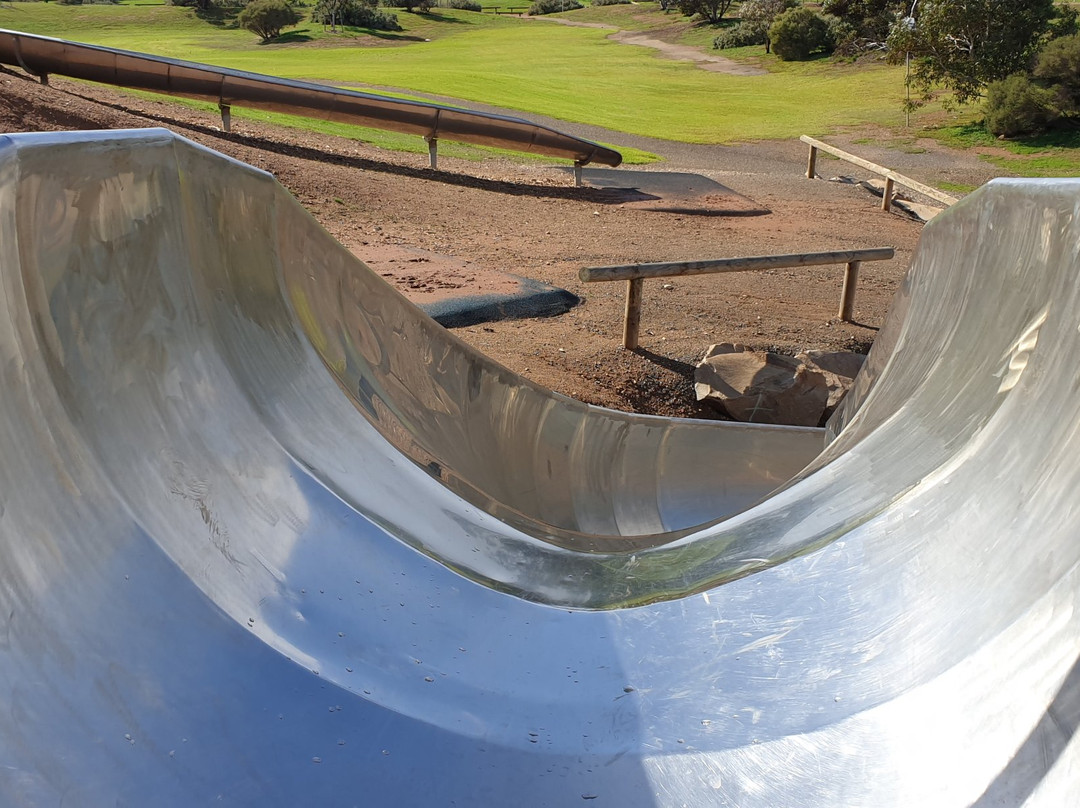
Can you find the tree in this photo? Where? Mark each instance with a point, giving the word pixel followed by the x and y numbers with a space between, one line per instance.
pixel 761 14
pixel 871 19
pixel 710 10
pixel 357 13
pixel 963 46
pixel 267 17
pixel 330 12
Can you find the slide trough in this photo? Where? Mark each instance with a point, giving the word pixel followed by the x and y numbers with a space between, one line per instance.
pixel 269 536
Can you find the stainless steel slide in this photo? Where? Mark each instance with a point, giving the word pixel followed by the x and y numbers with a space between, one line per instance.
pixel 271 537
pixel 42 55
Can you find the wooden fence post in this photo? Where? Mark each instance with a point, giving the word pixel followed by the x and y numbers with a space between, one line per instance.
pixel 886 198
pixel 632 319
pixel 847 296
pixel 811 163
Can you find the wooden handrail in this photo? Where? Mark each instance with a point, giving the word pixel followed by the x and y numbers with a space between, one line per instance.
pixel 671 269
pixel 891 176
pixel 636 274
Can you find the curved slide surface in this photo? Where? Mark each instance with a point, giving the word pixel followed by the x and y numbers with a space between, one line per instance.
pixel 270 536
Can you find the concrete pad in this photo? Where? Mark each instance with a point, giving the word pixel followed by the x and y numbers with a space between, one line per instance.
pixel 671 192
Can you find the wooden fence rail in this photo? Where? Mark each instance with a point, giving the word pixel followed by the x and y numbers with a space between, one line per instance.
pixel 891 177
pixel 636 274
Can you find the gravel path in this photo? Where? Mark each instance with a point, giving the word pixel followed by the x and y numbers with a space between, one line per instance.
pixel 669 50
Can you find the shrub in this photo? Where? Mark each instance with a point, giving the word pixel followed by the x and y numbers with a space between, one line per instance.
pixel 610 2
pixel 361 15
pixel 1016 106
pixel 799 33
pixel 1058 64
pixel 745 33
pixel 267 17
pixel 464 5
pixel 553 6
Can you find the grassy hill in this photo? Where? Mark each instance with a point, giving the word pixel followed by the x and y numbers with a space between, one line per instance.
pixel 534 66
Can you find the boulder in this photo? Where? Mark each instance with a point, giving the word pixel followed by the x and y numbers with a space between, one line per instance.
pixel 760 387
pixel 839 369
pixel 768 388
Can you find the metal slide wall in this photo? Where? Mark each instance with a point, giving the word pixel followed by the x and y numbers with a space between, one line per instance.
pixel 269 536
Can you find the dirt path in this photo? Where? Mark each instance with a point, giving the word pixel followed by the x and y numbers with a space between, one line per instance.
pixel 687 53
pixel 669 50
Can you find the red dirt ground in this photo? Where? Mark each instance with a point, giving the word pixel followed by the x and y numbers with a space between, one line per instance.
pixel 529 220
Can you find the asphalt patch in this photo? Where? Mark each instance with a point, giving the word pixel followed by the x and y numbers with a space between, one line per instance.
pixel 456 292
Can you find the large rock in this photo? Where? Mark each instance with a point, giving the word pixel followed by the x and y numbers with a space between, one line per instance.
pixel 760 387
pixel 839 369
pixel 767 388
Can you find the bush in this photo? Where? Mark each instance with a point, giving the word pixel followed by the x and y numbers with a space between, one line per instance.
pixel 609 3
pixel 1016 106
pixel 364 16
pixel 799 33
pixel 267 17
pixel 553 6
pixel 464 5
pixel 1058 64
pixel 745 33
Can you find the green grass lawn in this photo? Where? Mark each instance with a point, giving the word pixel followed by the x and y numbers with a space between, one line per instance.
pixel 1053 154
pixel 535 66
pixel 539 67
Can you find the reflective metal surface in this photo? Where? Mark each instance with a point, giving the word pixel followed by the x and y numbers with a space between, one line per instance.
pixel 268 536
pixel 44 55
